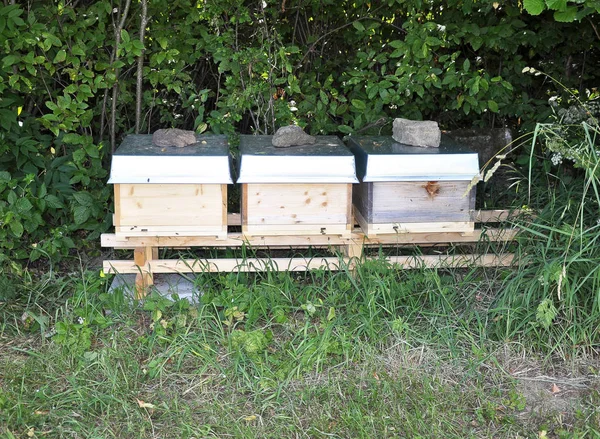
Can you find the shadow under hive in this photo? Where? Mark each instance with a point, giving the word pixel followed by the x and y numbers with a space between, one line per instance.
pixel 302 190
pixel 409 189
pixel 170 191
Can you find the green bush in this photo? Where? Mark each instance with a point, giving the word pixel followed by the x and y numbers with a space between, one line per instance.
pixel 68 84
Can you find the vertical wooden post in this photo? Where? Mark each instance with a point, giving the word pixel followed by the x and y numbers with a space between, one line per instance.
pixel 244 209
pixel 223 234
pixel 353 251
pixel 143 279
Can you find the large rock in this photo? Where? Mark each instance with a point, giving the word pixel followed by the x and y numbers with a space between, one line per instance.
pixel 292 135
pixel 174 137
pixel 424 133
pixel 487 142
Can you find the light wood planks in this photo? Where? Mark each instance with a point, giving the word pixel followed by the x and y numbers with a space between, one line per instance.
pixel 296 209
pixel 143 279
pixel 478 216
pixel 303 264
pixel 217 265
pixel 413 206
pixel 170 208
pixel 238 240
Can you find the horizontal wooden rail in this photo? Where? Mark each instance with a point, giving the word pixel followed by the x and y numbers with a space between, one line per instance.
pixel 303 241
pixel 299 264
pixel 478 216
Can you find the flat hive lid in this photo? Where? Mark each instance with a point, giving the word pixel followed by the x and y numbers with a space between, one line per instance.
pixel 138 160
pixel 381 158
pixel 327 161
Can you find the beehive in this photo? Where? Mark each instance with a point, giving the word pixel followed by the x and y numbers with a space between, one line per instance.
pixel 302 190
pixel 170 191
pixel 412 189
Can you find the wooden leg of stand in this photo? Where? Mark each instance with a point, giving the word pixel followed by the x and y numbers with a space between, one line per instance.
pixel 143 279
pixel 353 250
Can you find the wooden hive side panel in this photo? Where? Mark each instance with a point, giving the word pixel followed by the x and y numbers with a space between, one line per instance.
pixel 297 204
pixel 179 206
pixel 421 202
pixel 296 208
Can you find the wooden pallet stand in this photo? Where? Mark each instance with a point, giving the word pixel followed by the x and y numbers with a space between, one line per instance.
pixel 145 262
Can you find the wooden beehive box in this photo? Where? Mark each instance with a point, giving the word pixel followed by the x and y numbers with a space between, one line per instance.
pixel 170 191
pixel 408 189
pixel 301 190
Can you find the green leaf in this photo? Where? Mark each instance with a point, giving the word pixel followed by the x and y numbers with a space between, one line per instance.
pixel 358 26
pixel 83 198
pixel 12 197
pixel 466 65
pixel 72 139
pixel 81 214
pixel 534 7
pixel 567 16
pixel 358 104
pixel 396 44
pixel 23 205
pixel 557 5
pixel 125 36
pixel 323 97
pixel 53 202
pixel 344 129
pixel 476 42
pixel 17 228
pixel 493 106
pixel 60 56
pixel 42 191
pixel 4 177
pixel 10 60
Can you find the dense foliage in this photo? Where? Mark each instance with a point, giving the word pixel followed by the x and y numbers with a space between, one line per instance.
pixel 68 83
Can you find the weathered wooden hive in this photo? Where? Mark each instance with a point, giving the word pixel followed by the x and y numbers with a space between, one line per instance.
pixel 300 190
pixel 170 191
pixel 412 189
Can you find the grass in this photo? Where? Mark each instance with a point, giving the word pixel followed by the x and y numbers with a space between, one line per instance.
pixel 380 354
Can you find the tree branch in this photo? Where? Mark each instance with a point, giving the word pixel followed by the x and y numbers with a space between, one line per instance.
pixel 140 68
pixel 113 115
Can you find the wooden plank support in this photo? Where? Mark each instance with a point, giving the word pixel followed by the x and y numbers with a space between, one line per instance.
pixel 238 240
pixel 478 216
pixel 453 261
pixel 226 265
pixel 146 256
pixel 304 264
pixel 142 260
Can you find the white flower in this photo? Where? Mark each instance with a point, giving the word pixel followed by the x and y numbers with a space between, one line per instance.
pixel 556 158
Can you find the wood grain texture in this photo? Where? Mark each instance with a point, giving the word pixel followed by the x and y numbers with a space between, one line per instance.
pixel 420 201
pixel 477 216
pixel 299 241
pixel 162 209
pixel 142 258
pixel 304 264
pixel 432 227
pixel 217 265
pixel 117 214
pixel 205 230
pixel 277 209
pixel 296 229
